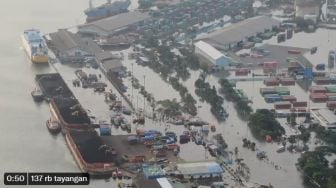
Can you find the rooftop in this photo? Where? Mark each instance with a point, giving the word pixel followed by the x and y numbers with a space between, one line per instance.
pixel 118 21
pixel 200 168
pixel 63 40
pixel 211 51
pixel 239 31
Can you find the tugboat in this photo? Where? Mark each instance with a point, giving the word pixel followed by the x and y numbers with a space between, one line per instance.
pixel 37 95
pixel 53 126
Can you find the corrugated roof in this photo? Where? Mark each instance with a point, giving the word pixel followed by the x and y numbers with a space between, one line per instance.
pixel 118 21
pixel 164 182
pixel 200 168
pixel 241 30
pixel 64 40
pixel 207 48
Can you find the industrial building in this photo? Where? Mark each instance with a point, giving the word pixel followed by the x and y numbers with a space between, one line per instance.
pixel 114 25
pixel 70 47
pixel 307 9
pixel 325 117
pixel 200 169
pixel 209 53
pixel 235 34
pixel 110 64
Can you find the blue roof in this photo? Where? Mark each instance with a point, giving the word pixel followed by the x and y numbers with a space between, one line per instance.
pixel 33 35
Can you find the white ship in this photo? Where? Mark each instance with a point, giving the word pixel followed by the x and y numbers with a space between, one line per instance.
pixel 35 46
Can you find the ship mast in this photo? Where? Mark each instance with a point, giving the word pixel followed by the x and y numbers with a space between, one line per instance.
pixel 90 4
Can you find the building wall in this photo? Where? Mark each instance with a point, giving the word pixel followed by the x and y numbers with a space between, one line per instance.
pixel 204 55
pixel 300 11
pixel 223 62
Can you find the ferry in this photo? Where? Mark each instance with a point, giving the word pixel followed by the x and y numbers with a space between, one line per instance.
pixel 35 46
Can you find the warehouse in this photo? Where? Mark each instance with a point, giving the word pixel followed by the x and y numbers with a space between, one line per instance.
pixel 114 25
pixel 211 54
pixel 69 47
pixel 325 117
pixel 200 169
pixel 231 36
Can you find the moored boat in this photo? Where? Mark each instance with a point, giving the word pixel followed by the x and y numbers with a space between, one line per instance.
pixel 53 126
pixel 35 46
pixel 37 95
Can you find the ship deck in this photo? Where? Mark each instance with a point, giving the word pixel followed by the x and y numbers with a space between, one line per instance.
pixel 90 145
pixel 52 85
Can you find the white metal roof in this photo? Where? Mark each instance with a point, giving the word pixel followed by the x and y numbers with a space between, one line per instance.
pixel 207 48
pixel 199 168
pixel 164 182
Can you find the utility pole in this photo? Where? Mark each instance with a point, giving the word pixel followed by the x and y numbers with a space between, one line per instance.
pixel 144 107
pixel 132 84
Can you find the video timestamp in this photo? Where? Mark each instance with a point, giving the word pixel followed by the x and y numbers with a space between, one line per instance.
pixel 46 178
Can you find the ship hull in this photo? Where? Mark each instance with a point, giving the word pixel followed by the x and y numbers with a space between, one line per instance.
pixel 36 59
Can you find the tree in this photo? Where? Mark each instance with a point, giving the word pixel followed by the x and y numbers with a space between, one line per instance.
pixel 263 123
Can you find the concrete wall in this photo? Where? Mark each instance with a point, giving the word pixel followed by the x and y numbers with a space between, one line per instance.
pixel 300 11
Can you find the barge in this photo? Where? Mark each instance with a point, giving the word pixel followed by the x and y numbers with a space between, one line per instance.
pixel 91 154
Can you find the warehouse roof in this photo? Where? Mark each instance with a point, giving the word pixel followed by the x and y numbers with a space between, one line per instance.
pixel 239 31
pixel 207 48
pixel 118 21
pixel 64 40
pixel 164 182
pixel 200 168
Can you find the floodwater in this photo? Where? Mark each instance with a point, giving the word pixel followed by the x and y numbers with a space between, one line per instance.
pixel 25 143
pixel 27 146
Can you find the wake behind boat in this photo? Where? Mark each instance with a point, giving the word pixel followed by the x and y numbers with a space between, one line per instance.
pixel 35 46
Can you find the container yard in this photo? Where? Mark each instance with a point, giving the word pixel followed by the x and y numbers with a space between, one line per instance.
pixel 135 104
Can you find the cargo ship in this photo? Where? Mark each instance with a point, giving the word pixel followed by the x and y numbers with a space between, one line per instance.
pixel 106 10
pixel 35 46
pixel 90 152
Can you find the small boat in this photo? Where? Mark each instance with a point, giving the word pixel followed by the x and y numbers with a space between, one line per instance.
pixel 53 126
pixel 281 149
pixel 37 95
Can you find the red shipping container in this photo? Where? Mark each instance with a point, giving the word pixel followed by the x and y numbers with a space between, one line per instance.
pixel 271 82
pixel 318 97
pixel 282 105
pixel 242 72
pixel 331 104
pixel 322 81
pixel 287 81
pixel 270 65
pixel 318 89
pixel 300 104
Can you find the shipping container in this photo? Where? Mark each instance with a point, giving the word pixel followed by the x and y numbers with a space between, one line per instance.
pixel 331 89
pixel 242 72
pixel 298 110
pixel 300 104
pixel 331 104
pixel 265 91
pixel 282 105
pixel 318 97
pixel 318 89
pixel 289 98
pixel 287 81
pixel 322 81
pixel 271 82
pixel 282 90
